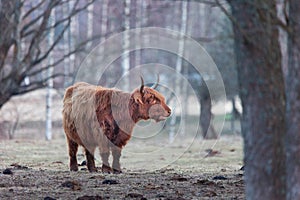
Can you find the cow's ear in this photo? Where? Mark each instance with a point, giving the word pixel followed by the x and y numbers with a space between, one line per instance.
pixel 138 98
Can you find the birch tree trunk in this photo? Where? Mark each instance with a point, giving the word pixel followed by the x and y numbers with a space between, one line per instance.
pixel 67 49
pixel 72 33
pixel 104 19
pixel 125 55
pixel 90 17
pixel 178 86
pixel 50 80
pixel 138 25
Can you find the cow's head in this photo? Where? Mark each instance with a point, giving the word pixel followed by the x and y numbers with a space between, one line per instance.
pixel 150 103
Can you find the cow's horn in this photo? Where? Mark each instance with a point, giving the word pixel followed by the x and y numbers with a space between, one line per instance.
pixel 142 86
pixel 156 84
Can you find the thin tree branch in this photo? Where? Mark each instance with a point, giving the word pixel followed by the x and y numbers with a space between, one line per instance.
pixel 33 9
pixel 36 19
pixel 36 85
pixel 58 22
pixel 79 48
pixel 38 34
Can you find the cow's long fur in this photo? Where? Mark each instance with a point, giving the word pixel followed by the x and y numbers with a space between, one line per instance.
pixel 94 116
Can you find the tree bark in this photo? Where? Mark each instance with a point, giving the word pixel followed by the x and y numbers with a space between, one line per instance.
pixel 126 44
pixel 206 116
pixel 262 93
pixel 49 94
pixel 293 103
pixel 9 18
pixel 179 88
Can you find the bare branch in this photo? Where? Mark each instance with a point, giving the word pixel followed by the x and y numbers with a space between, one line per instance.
pixel 33 9
pixel 207 2
pixel 79 48
pixel 57 23
pixel 46 54
pixel 25 32
pixel 35 85
pixel 38 34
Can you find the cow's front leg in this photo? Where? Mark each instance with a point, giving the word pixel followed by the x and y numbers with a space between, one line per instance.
pixel 104 153
pixel 90 160
pixel 116 153
pixel 105 164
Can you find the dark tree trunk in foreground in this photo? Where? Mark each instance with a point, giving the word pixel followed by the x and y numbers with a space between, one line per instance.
pixel 293 103
pixel 262 93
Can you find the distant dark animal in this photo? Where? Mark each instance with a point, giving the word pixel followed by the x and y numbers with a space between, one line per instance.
pixel 94 116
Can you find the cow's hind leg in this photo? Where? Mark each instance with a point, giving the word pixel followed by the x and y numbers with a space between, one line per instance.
pixel 73 148
pixel 90 160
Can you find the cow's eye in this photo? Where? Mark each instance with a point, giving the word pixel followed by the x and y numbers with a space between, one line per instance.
pixel 151 100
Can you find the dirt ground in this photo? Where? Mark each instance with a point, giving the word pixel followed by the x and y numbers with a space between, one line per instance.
pixel 153 167
pixel 40 171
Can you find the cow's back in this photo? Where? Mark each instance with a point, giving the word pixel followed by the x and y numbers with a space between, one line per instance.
pixel 79 114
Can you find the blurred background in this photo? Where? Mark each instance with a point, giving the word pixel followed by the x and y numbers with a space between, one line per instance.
pixel 43 43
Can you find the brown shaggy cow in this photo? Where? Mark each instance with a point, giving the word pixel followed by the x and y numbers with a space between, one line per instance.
pixel 94 116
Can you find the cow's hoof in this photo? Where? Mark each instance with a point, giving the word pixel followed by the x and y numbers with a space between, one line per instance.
pixel 106 169
pixel 92 170
pixel 74 168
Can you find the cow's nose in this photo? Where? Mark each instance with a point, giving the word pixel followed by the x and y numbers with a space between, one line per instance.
pixel 169 112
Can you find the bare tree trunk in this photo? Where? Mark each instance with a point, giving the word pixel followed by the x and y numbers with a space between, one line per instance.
pixel 50 81
pixel 125 55
pixel 72 33
pixel 10 14
pixel 235 115
pixel 206 116
pixel 178 86
pixel 293 103
pixel 263 99
pixel 104 19
pixel 67 48
pixel 90 18
pixel 138 25
pixel 178 68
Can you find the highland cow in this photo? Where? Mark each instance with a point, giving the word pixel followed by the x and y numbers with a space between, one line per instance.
pixel 94 116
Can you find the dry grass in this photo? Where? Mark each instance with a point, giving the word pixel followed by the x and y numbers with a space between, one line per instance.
pixel 153 168
pixel 178 173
